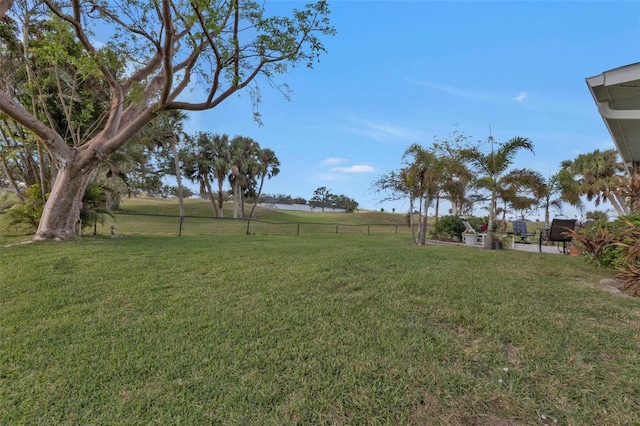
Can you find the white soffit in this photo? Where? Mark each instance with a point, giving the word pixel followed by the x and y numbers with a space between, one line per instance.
pixel 617 96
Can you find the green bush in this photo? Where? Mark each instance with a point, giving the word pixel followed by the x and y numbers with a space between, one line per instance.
pixel 453 227
pixel 450 226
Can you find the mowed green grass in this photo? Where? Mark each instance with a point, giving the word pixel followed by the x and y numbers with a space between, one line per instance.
pixel 145 216
pixel 310 329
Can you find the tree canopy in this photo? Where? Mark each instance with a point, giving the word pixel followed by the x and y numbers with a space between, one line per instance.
pixel 155 52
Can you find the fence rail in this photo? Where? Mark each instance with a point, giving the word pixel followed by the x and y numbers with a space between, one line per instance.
pixel 156 224
pixel 128 224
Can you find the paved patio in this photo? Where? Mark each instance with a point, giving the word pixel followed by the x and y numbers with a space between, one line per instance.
pixel 534 247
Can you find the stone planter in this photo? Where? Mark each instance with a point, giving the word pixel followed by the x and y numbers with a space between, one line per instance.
pixel 470 239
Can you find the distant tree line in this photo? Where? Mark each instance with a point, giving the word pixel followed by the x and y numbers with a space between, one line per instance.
pixel 324 198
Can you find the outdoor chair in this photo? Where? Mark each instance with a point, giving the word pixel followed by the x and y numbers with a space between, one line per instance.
pixel 470 230
pixel 520 230
pixel 558 232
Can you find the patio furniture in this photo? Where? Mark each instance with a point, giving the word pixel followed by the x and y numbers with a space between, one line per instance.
pixel 557 232
pixel 520 230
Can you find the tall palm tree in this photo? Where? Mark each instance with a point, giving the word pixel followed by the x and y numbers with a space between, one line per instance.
pixel 596 176
pixel 242 153
pixel 269 166
pixel 398 185
pixel 221 163
pixel 493 168
pixel 629 189
pixel 426 167
pixel 197 164
pixel 170 131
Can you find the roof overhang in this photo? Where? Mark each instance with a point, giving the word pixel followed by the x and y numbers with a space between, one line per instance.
pixel 617 95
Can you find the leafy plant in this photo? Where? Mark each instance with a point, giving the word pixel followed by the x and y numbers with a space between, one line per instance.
pixel 29 211
pixel 7 200
pixel 593 239
pixel 629 271
pixel 94 206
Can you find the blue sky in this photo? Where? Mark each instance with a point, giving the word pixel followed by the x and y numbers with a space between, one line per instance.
pixel 403 72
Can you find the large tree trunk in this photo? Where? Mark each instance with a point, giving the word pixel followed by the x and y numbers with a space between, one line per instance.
pixel 5 5
pixel 61 215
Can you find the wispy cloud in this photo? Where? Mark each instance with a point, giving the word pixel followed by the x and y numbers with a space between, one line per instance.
pixel 356 168
pixel 521 97
pixel 332 161
pixel 379 131
pixel 453 90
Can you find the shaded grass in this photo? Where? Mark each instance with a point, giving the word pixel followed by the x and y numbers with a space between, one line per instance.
pixel 326 329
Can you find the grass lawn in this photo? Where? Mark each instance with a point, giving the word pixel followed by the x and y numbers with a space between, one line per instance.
pixel 317 329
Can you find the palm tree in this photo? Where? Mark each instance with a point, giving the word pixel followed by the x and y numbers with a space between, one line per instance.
pixel 398 185
pixel 556 191
pixel 197 164
pixel 269 166
pixel 493 169
pixel 242 153
pixel 596 175
pixel 425 169
pixel 521 192
pixel 169 130
pixel 629 189
pixel 221 163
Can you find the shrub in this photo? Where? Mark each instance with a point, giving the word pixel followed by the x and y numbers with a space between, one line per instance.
pixel 594 240
pixel 94 206
pixel 7 200
pixel 29 211
pixel 450 226
pixel 615 244
pixel 629 269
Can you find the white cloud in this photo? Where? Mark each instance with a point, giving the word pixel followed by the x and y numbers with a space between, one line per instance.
pixel 521 97
pixel 332 161
pixel 356 168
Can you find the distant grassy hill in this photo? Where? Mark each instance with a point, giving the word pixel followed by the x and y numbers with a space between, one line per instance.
pixel 200 207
